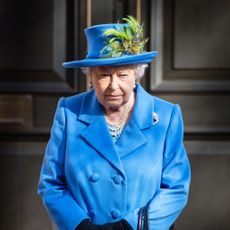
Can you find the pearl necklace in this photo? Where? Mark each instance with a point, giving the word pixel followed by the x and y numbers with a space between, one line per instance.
pixel 116 129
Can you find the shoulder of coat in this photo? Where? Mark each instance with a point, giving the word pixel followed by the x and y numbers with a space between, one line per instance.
pixel 73 103
pixel 162 105
pixel 162 110
pixel 161 102
pixel 74 100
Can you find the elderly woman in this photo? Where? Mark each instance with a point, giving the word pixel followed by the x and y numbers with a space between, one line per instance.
pixel 115 153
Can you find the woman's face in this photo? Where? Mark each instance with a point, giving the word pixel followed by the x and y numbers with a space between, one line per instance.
pixel 113 85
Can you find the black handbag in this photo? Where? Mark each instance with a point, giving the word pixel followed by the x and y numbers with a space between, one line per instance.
pixel 143 219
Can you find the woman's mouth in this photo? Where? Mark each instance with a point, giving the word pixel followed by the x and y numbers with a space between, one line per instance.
pixel 113 96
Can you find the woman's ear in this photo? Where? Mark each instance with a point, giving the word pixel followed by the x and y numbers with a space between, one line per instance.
pixel 135 78
pixel 89 81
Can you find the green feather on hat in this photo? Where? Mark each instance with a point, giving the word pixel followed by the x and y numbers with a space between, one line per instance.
pixel 127 40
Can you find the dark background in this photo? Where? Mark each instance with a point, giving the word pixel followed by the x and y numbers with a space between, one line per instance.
pixel 192 69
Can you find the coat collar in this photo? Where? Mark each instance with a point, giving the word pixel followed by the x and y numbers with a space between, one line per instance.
pixel 90 110
pixel 98 136
pixel 142 115
pixel 143 109
pixel 96 133
pixel 141 119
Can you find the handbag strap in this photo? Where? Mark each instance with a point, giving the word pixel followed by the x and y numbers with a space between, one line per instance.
pixel 143 215
pixel 140 218
pixel 146 217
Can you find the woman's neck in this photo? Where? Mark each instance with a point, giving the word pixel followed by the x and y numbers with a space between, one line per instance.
pixel 121 114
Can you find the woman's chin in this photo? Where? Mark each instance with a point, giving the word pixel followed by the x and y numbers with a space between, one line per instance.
pixel 113 105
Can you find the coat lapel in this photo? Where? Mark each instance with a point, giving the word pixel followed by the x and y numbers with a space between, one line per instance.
pixel 130 139
pixel 96 134
pixel 132 136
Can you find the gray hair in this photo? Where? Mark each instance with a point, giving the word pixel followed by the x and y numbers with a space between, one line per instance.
pixel 139 70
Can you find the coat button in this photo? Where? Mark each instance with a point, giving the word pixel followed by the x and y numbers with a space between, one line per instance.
pixel 95 177
pixel 91 213
pixel 117 179
pixel 116 214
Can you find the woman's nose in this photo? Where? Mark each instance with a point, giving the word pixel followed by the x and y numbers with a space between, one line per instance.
pixel 114 83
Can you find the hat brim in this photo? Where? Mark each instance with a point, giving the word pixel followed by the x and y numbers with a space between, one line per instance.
pixel 124 60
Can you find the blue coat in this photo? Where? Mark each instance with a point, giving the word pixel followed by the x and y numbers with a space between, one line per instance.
pixel 85 175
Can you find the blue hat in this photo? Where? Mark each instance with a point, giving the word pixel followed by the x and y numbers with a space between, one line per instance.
pixel 114 44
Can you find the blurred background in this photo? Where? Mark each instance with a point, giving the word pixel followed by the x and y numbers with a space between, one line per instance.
pixel 192 69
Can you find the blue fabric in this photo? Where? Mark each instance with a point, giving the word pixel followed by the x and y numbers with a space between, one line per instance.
pixel 85 175
pixel 96 42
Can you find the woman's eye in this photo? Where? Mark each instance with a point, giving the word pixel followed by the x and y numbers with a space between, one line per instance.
pixel 123 75
pixel 105 75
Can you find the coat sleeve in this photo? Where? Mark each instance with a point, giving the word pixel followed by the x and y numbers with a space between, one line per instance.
pixel 59 202
pixel 171 198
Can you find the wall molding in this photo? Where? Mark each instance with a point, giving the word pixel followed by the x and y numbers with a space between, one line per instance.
pixel 163 77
